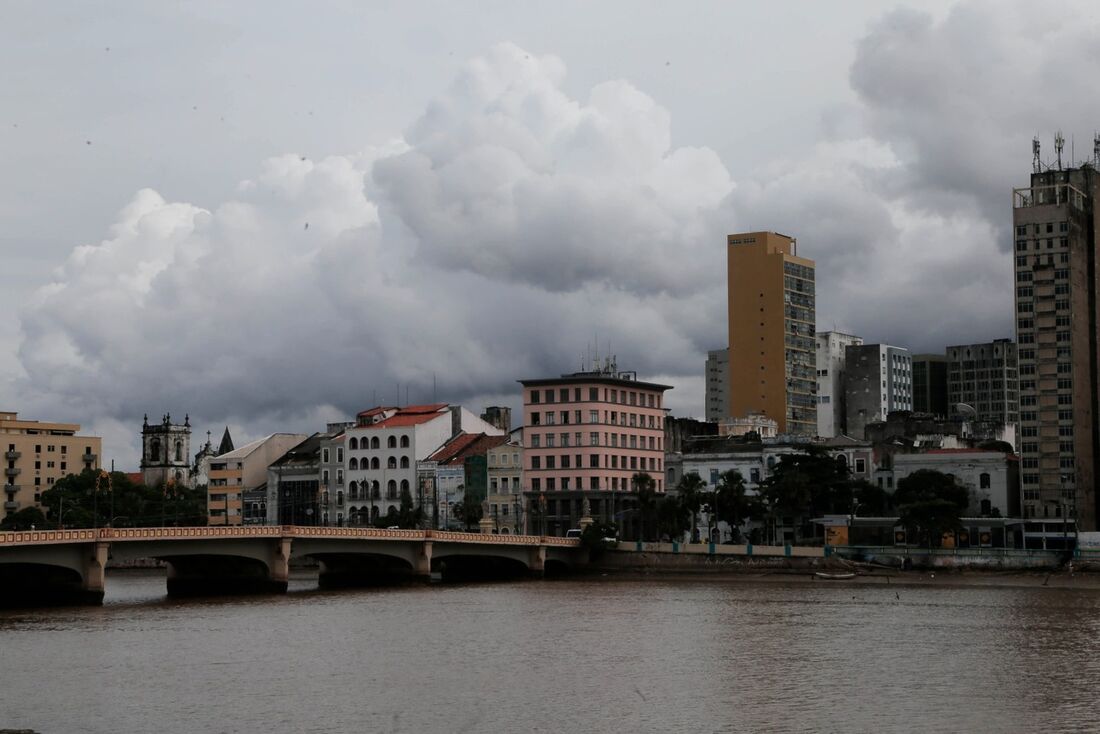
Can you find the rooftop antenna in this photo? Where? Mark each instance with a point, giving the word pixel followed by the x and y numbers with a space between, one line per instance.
pixel 1036 164
pixel 1059 143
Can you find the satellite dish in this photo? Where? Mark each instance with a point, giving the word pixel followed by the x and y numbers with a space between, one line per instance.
pixel 965 410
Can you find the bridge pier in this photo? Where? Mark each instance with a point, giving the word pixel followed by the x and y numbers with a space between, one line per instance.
pixel 537 561
pixel 95 573
pixel 280 565
pixel 423 568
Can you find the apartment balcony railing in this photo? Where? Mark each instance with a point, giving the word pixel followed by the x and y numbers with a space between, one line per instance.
pixel 89 458
pixel 10 505
pixel 12 455
pixel 12 471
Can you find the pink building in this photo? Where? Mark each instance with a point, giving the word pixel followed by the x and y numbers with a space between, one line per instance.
pixel 584 436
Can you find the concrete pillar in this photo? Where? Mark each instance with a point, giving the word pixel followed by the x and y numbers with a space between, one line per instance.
pixel 485 525
pixel 95 571
pixel 536 561
pixel 280 565
pixel 423 569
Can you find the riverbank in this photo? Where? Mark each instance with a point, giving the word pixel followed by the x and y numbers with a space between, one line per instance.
pixel 641 565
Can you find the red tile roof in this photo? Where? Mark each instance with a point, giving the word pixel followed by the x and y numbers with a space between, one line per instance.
pixel 373 411
pixel 410 415
pixel 134 476
pixel 463 445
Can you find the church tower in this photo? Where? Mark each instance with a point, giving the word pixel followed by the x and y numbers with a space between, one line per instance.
pixel 166 452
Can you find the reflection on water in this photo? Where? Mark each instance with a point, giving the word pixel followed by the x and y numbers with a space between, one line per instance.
pixel 701 655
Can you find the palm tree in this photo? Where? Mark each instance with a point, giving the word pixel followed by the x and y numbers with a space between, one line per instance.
pixel 643 485
pixel 690 489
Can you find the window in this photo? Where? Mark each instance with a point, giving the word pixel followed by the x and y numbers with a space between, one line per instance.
pixel 324 455
pixel 535 397
pixel 391 442
pixel 536 462
pixel 535 419
pixel 536 441
pixel 983 481
pixel 593 393
pixel 340 455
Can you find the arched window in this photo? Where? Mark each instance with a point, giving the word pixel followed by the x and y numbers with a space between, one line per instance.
pixel 353 444
pixel 374 463
pixel 340 498
pixel 504 531
pixel 391 463
pixel 353 515
pixel 404 485
pixel 374 513
pixel 374 444
pixel 179 450
pixel 987 507
pixel 154 449
pixel 404 442
pixel 404 462
pixel 391 442
pixel 179 475
pixel 375 490
pixel 771 462
pixel 353 464
pixel 983 481
pixel 353 489
pixel 391 490
pixel 340 519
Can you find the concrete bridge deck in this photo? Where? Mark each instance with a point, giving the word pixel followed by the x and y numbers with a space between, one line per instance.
pixel 68 566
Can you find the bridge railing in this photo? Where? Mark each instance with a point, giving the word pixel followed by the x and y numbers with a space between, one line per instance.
pixel 25 537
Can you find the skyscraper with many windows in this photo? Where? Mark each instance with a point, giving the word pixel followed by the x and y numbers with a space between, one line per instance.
pixel 1055 221
pixel 772 352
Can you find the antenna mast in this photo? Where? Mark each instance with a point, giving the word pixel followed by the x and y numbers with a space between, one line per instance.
pixel 1036 164
pixel 1059 143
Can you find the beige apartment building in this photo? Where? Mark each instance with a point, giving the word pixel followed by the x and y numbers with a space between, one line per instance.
pixel 37 454
pixel 772 316
pixel 241 476
pixel 1057 330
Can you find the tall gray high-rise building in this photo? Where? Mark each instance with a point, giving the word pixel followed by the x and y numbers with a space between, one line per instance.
pixel 983 376
pixel 1057 333
pixel 718 384
pixel 930 384
pixel 878 379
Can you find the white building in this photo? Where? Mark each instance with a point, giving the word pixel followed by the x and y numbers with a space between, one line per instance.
pixel 831 350
pixel 991 476
pixel 383 448
pixel 878 380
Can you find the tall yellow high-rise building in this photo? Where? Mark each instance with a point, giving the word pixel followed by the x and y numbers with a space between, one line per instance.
pixel 772 358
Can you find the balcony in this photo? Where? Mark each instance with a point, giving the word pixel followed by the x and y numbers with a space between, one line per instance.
pixel 12 455
pixel 89 458
pixel 12 488
pixel 12 471
pixel 9 505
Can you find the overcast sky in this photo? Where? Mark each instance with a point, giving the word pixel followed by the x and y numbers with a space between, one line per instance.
pixel 273 215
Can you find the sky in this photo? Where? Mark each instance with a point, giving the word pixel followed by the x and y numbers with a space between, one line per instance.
pixel 273 215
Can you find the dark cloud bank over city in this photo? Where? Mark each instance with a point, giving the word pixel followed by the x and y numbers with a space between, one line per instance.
pixel 512 226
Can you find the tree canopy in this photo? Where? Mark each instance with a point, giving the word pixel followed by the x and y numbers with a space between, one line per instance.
pixel 930 504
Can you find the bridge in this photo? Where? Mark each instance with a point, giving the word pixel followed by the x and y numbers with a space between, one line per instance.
pixel 69 566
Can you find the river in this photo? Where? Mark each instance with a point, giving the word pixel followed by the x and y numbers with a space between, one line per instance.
pixel 593 655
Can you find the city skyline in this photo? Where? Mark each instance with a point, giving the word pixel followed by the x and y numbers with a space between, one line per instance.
pixel 504 217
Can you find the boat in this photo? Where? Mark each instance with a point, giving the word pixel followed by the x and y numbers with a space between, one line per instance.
pixel 834 576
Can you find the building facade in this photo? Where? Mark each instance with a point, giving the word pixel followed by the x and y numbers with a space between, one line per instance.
pixel 831 355
pixel 37 454
pixel 585 435
pixel 717 384
pixel 772 312
pixel 878 381
pixel 983 377
pixel 505 464
pixel 166 452
pixel 1058 330
pixel 384 448
pixel 930 384
pixel 992 477
pixel 238 480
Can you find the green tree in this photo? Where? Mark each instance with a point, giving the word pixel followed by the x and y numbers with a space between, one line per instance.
pixel 646 495
pixel 469 512
pixel 930 503
pixel 731 503
pixel 75 502
pixel 806 485
pixel 672 518
pixel 408 516
pixel 26 519
pixel 690 490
